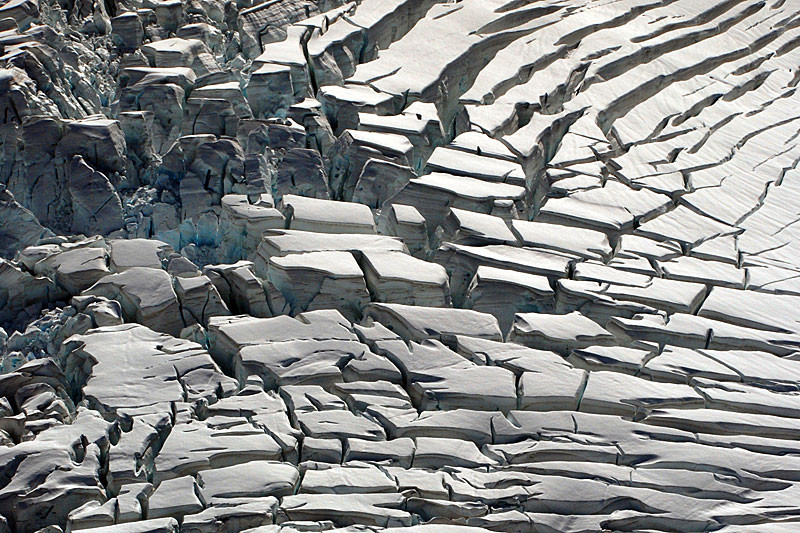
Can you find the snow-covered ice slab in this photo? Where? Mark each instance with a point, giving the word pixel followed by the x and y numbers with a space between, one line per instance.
pixel 417 323
pixel 320 280
pixel 284 242
pixel 399 278
pixel 325 216
pixel 560 333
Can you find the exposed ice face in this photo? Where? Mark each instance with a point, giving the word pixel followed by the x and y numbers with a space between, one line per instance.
pixel 404 265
